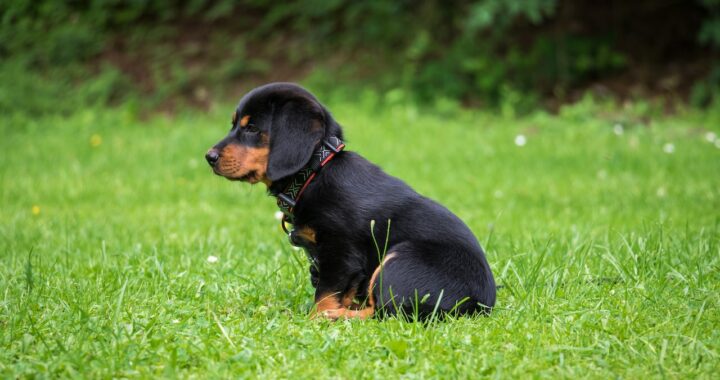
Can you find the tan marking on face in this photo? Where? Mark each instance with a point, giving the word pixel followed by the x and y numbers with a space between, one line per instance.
pixel 237 161
pixel 244 121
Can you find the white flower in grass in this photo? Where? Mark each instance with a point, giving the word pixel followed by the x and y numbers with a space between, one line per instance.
pixel 618 129
pixel 520 140
pixel 278 215
pixel 175 321
pixel 711 137
pixel 212 259
pixel 669 148
pixel 661 192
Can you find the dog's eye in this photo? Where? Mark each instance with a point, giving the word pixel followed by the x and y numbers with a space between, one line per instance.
pixel 251 128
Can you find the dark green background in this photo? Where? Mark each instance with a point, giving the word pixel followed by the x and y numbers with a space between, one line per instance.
pixel 60 55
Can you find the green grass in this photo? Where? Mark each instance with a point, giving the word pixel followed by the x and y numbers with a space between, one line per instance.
pixel 608 249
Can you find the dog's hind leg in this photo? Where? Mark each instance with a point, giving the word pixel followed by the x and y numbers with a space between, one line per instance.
pixel 413 286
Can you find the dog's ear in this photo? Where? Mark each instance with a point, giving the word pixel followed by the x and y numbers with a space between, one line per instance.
pixel 296 128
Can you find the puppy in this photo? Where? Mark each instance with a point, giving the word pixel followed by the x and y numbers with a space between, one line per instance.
pixel 376 246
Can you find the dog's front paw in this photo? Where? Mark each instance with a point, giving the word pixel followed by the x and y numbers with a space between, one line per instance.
pixel 343 313
pixel 330 314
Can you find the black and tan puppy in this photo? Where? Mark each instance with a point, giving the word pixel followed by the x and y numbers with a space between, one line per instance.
pixel 282 136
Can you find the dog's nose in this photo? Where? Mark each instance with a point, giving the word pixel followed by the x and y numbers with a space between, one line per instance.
pixel 212 157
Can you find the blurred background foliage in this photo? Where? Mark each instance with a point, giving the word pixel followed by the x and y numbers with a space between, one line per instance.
pixel 56 56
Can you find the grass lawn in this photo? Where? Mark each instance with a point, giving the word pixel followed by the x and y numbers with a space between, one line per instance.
pixel 603 228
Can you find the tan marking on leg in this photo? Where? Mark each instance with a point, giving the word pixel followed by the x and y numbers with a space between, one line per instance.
pixel 376 273
pixel 335 306
pixel 347 299
pixel 335 314
pixel 324 303
pixel 329 306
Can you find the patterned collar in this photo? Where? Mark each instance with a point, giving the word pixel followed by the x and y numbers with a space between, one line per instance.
pixel 287 198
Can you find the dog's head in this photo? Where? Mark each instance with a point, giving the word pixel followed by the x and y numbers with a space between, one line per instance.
pixel 275 129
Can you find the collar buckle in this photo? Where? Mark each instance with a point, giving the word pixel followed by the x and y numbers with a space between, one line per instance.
pixel 334 146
